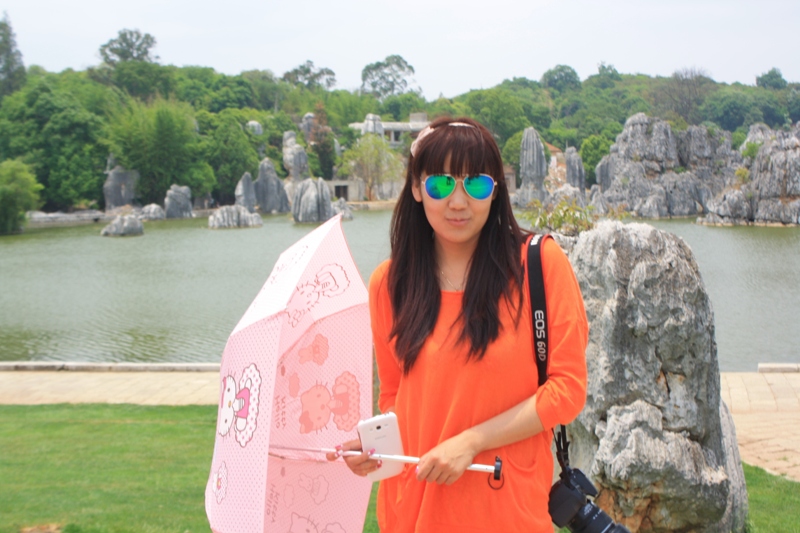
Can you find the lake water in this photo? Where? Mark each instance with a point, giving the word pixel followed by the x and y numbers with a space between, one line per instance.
pixel 174 295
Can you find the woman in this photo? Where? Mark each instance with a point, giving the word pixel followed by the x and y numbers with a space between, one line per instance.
pixel 453 340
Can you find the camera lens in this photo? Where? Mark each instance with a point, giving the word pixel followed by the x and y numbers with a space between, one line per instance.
pixel 591 519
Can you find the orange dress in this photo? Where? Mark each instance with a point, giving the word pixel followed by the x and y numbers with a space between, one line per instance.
pixel 444 394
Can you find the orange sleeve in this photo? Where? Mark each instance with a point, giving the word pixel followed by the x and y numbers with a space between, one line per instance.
pixel 380 312
pixel 562 397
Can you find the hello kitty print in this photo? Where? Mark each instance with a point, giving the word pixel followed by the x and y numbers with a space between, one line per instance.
pixel 238 407
pixel 330 281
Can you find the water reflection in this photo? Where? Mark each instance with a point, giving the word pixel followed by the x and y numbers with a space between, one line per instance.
pixel 176 293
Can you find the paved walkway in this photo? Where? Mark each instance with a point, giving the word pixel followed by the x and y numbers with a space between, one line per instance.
pixel 765 405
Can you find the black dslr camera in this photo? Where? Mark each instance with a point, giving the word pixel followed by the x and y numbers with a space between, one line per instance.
pixel 569 506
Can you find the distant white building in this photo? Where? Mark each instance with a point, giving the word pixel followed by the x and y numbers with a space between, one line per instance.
pixel 392 130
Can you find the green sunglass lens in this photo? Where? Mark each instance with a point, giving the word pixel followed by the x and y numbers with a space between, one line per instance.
pixel 479 187
pixel 439 186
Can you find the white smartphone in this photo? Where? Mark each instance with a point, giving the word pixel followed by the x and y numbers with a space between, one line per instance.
pixel 382 433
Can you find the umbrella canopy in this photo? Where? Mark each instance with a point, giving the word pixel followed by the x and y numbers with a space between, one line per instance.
pixel 296 373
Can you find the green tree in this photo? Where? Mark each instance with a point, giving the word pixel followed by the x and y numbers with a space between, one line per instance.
pixel 159 141
pixel 230 154
pixel 511 153
pixel 48 127
pixel 561 78
pixel 605 78
pixel 608 71
pixel 593 148
pixel 144 80
pixel 387 77
pixel 793 105
pixel 322 142
pixel 19 192
pixel 345 107
pixel 400 106
pixel 372 160
pixel 498 109
pixel 727 107
pixel 129 45
pixel 311 77
pixel 267 89
pixel 773 79
pixel 684 92
pixel 12 71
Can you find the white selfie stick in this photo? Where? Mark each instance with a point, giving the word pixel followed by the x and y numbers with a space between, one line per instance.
pixel 496 469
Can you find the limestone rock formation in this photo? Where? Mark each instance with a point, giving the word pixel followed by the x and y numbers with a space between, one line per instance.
pixel 576 174
pixel 270 194
pixel 532 169
pixel 653 435
pixel 758 134
pixel 122 226
pixel 245 193
pixel 387 190
pixel 234 216
pixel 152 212
pixel 653 174
pixel 306 125
pixel 312 201
pixel 178 202
pixel 295 159
pixel 120 186
pixel 340 207
pixel 255 127
pixel 766 189
pixel 569 194
pixel 597 200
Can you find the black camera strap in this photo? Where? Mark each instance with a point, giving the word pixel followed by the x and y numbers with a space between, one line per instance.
pixel 538 305
pixel 541 345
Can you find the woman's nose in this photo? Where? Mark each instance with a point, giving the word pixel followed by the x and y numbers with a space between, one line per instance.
pixel 459 198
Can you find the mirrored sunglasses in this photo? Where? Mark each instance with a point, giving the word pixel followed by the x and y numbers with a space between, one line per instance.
pixel 440 186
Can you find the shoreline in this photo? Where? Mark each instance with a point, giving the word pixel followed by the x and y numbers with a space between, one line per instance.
pixel 40 219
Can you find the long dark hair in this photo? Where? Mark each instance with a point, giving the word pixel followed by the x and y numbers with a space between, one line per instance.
pixel 495 270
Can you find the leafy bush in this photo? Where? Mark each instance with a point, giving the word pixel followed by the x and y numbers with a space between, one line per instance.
pixel 751 150
pixel 593 148
pixel 738 137
pixel 742 175
pixel 565 217
pixel 19 192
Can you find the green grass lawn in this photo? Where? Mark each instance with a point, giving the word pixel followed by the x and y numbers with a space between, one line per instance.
pixel 126 468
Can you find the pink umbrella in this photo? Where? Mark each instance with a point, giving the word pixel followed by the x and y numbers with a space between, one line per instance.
pixel 296 373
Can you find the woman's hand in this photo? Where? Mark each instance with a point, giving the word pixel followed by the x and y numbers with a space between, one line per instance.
pixel 447 461
pixel 361 465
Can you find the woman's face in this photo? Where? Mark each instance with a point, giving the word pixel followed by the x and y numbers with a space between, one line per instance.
pixel 457 219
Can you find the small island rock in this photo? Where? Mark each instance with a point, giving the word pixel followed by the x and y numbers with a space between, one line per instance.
pixel 123 226
pixel 178 202
pixel 234 216
pixel 152 212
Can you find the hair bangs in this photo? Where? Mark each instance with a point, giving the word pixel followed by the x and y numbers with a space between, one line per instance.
pixel 471 150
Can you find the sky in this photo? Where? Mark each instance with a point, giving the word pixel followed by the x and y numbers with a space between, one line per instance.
pixel 454 46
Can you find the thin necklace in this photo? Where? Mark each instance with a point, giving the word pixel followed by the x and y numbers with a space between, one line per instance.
pixel 457 289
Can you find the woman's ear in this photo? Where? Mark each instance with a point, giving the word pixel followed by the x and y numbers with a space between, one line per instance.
pixel 416 190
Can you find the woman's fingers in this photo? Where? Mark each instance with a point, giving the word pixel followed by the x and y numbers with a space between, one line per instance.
pixel 363 464
pixel 445 463
pixel 359 464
